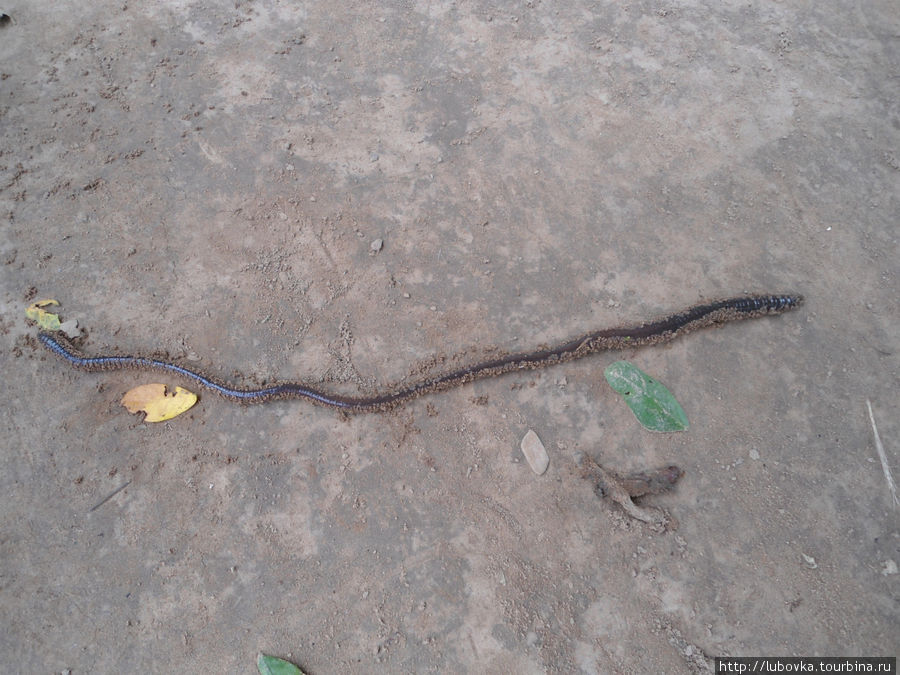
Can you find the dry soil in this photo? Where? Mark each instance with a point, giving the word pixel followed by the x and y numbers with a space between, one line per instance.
pixel 207 180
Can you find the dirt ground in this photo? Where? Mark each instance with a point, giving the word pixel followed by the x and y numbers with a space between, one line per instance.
pixel 208 181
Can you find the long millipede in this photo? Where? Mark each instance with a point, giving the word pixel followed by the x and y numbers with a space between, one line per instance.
pixel 655 332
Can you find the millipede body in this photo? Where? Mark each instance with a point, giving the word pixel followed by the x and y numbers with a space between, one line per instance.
pixel 654 332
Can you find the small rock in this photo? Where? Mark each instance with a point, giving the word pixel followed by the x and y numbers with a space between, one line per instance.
pixel 535 453
pixel 889 567
pixel 376 245
pixel 810 561
pixel 70 328
pixel 754 453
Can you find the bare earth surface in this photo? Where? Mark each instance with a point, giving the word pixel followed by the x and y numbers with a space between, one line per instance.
pixel 206 180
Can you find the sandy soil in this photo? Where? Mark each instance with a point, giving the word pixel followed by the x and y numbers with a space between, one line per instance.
pixel 206 180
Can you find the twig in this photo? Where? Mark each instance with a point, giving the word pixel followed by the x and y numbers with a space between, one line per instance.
pixel 610 485
pixel 110 496
pixel 883 457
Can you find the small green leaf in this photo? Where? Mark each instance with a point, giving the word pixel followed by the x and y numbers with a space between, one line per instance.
pixel 269 665
pixel 655 408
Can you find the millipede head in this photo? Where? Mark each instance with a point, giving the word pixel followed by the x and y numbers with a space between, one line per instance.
pixel 778 303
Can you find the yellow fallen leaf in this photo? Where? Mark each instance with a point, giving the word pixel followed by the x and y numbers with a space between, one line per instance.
pixel 159 404
pixel 46 320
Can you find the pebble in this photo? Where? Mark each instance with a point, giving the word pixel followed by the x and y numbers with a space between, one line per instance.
pixel 535 453
pixel 376 245
pixel 70 328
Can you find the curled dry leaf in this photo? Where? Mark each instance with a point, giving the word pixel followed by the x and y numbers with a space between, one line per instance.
pixel 46 320
pixel 159 404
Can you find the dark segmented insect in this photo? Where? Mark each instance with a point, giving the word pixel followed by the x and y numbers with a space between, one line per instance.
pixel 645 334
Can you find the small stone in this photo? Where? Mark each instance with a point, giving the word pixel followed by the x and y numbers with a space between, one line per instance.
pixel 754 453
pixel 810 561
pixel 888 567
pixel 70 328
pixel 376 245
pixel 535 453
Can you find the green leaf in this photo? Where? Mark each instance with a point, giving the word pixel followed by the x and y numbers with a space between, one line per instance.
pixel 655 408
pixel 269 665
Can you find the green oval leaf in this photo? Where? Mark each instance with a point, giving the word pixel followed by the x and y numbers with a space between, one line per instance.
pixel 653 405
pixel 270 665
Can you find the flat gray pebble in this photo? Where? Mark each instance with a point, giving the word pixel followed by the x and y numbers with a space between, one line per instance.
pixel 535 453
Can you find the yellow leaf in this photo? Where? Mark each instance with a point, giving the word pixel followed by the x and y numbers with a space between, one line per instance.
pixel 159 404
pixel 46 320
